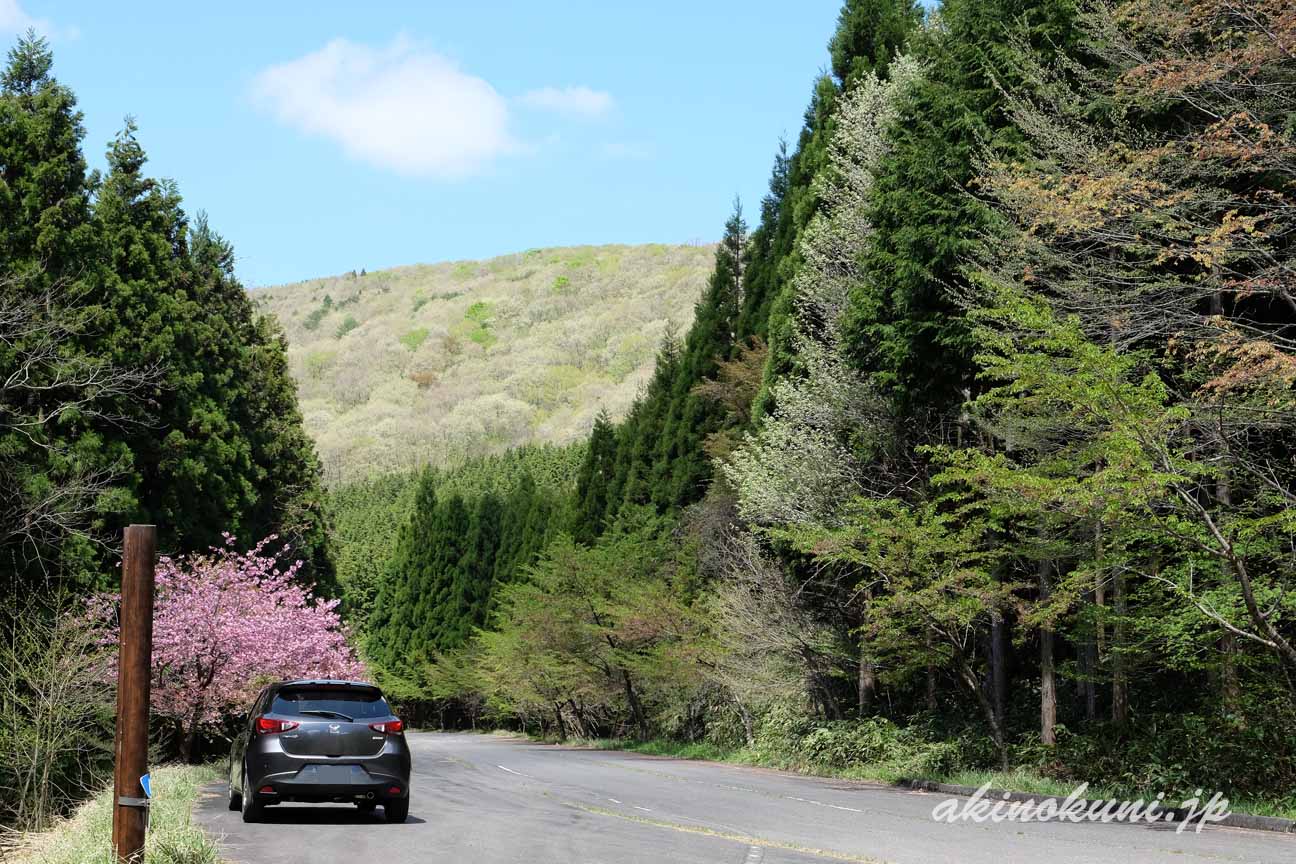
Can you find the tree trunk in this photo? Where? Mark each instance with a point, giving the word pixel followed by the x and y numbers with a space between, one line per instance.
pixel 1120 681
pixel 749 731
pixel 1230 689
pixel 998 667
pixel 867 686
pixel 1089 668
pixel 636 708
pixel 189 743
pixel 1099 595
pixel 987 708
pixel 931 674
pixel 1048 676
pixel 558 722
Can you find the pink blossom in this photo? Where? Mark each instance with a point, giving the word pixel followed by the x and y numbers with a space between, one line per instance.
pixel 226 623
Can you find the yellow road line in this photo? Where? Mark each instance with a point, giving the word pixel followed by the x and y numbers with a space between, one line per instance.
pixel 762 842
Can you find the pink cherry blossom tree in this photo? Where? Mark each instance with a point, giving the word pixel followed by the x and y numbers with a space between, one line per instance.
pixel 227 622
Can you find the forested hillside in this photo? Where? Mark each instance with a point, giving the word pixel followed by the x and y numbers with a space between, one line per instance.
pixel 431 364
pixel 976 453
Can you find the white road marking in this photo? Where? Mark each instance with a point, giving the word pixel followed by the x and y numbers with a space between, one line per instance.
pixel 821 804
pixel 511 771
pixel 755 855
pixel 614 801
pixel 645 809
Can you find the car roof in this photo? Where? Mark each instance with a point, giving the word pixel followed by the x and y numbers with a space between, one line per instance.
pixel 332 682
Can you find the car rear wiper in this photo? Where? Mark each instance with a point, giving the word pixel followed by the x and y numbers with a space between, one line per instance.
pixel 324 712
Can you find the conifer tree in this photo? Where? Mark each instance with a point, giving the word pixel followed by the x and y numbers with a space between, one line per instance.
pixel 60 477
pixel 405 583
pixel 904 325
pixel 869 35
pixel 593 481
pixel 188 415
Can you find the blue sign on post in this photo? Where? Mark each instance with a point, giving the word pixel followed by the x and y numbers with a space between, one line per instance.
pixel 148 790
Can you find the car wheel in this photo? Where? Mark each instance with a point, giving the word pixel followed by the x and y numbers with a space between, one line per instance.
pixel 396 810
pixel 251 809
pixel 235 798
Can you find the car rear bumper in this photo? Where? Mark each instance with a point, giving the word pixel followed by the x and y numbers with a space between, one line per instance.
pixel 295 778
pixel 331 782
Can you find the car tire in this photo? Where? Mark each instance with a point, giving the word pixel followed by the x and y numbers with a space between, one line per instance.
pixel 251 809
pixel 396 810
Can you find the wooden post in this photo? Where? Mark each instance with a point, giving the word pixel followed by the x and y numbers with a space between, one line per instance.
pixel 130 812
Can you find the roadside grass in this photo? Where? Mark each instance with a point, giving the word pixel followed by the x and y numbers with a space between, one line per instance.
pixel 699 750
pixel 1019 779
pixel 1025 780
pixel 85 836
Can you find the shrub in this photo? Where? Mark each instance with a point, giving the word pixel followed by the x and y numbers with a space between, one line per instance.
pixel 318 362
pixel 480 312
pixel 55 715
pixel 424 378
pixel 875 747
pixel 347 326
pixel 316 315
pixel 414 338
pixel 1179 753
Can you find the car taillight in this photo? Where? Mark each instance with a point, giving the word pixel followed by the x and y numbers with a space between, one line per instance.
pixel 391 727
pixel 268 726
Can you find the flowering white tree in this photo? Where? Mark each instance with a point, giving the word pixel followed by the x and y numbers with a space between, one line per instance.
pixel 799 468
pixel 226 622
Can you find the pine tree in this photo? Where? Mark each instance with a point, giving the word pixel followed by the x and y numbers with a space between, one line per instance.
pixel 869 35
pixel 189 419
pixel 904 325
pixel 396 607
pixel 593 481
pixel 64 474
pixel 45 193
pixel 224 449
pixel 477 568
pixel 753 319
pixel 690 418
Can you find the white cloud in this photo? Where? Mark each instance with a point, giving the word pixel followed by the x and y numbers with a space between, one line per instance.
pixel 397 107
pixel 14 19
pixel 579 101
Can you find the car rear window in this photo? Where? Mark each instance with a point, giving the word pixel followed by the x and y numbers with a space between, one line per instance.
pixel 349 703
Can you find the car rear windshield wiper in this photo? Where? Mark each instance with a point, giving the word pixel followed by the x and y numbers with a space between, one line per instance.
pixel 324 712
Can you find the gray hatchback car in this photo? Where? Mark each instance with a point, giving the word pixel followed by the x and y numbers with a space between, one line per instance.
pixel 320 741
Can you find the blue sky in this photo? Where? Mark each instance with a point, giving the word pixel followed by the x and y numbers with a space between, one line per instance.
pixel 325 136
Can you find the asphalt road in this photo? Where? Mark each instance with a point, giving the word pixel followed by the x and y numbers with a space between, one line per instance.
pixel 479 799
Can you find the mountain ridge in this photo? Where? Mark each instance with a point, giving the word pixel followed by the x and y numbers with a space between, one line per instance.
pixel 426 363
